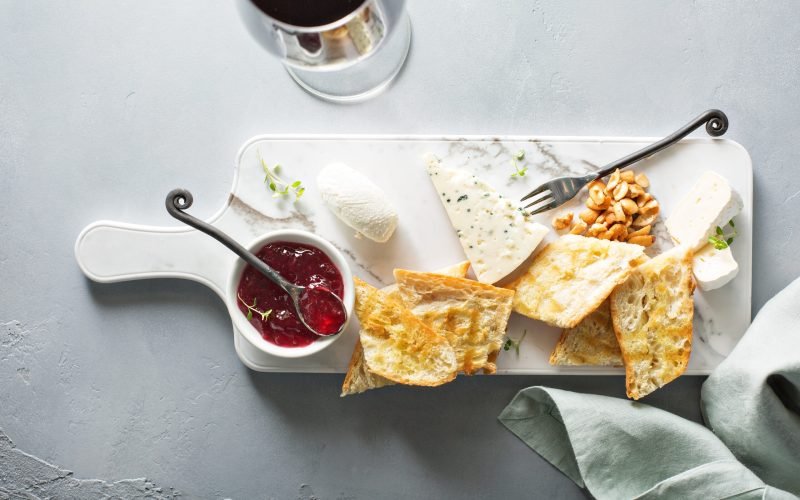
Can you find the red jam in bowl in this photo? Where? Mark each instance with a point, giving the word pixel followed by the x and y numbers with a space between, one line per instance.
pixel 303 265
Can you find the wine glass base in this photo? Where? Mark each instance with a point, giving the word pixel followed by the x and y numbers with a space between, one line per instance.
pixel 362 80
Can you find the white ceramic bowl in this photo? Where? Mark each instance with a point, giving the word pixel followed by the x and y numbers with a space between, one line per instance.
pixel 249 332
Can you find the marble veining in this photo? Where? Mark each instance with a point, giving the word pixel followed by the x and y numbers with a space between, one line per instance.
pixel 551 164
pixel 425 240
pixel 256 218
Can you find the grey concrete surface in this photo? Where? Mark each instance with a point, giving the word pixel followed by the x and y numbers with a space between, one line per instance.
pixel 25 476
pixel 106 106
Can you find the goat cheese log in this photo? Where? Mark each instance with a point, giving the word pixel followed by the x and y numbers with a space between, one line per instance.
pixel 357 201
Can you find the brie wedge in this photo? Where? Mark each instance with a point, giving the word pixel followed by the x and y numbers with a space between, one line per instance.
pixel 357 201
pixel 494 232
pixel 714 268
pixel 710 203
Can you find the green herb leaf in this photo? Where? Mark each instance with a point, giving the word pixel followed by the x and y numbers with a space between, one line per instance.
pixel 520 155
pixel 252 309
pixel 722 240
pixel 514 343
pixel 718 243
pixel 520 172
pixel 278 186
pixel 462 197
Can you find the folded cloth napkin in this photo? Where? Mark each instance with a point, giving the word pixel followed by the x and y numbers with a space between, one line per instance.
pixel 752 400
pixel 623 449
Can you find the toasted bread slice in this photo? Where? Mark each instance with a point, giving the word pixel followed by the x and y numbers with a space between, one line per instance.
pixel 472 315
pixel 571 277
pixel 456 271
pixel 398 345
pixel 652 317
pixel 591 343
pixel 358 378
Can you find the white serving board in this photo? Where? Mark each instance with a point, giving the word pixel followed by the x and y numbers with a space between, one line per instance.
pixel 112 251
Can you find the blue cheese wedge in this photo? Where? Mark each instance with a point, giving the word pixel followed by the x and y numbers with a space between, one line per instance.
pixel 714 268
pixel 710 203
pixel 494 232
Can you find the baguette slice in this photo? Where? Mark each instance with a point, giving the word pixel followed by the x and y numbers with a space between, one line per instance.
pixel 397 345
pixel 456 271
pixel 591 343
pixel 571 277
pixel 358 378
pixel 652 317
pixel 472 315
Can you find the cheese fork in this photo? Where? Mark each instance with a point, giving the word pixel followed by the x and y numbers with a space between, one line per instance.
pixel 556 192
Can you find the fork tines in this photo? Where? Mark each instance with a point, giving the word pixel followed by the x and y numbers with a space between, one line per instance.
pixel 543 203
pixel 555 193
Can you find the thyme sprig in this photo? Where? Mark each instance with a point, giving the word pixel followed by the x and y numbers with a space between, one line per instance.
pixel 519 171
pixel 511 343
pixel 252 309
pixel 278 186
pixel 722 240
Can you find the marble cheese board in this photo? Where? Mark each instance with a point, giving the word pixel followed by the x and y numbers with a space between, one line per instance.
pixel 110 251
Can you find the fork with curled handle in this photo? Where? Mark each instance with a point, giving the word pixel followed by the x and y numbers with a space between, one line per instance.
pixel 554 193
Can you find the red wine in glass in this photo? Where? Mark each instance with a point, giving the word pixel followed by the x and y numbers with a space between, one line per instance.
pixel 307 13
pixel 338 50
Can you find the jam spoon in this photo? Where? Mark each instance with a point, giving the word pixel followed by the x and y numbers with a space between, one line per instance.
pixel 302 297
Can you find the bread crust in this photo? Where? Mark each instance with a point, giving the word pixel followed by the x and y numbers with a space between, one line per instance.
pixel 358 378
pixel 666 358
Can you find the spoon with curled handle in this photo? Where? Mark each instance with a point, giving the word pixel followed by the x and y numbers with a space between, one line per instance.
pixel 333 317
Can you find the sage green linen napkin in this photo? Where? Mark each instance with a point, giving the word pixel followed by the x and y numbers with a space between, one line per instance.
pixel 752 400
pixel 623 449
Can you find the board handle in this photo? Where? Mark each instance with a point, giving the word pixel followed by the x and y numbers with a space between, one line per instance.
pixel 109 252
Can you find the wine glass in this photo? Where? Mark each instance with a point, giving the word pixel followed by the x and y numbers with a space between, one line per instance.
pixel 337 50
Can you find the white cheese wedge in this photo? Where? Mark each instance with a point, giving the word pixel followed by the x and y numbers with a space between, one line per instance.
pixel 494 232
pixel 357 201
pixel 710 203
pixel 714 268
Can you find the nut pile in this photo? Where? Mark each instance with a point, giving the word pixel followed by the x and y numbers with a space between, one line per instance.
pixel 621 210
